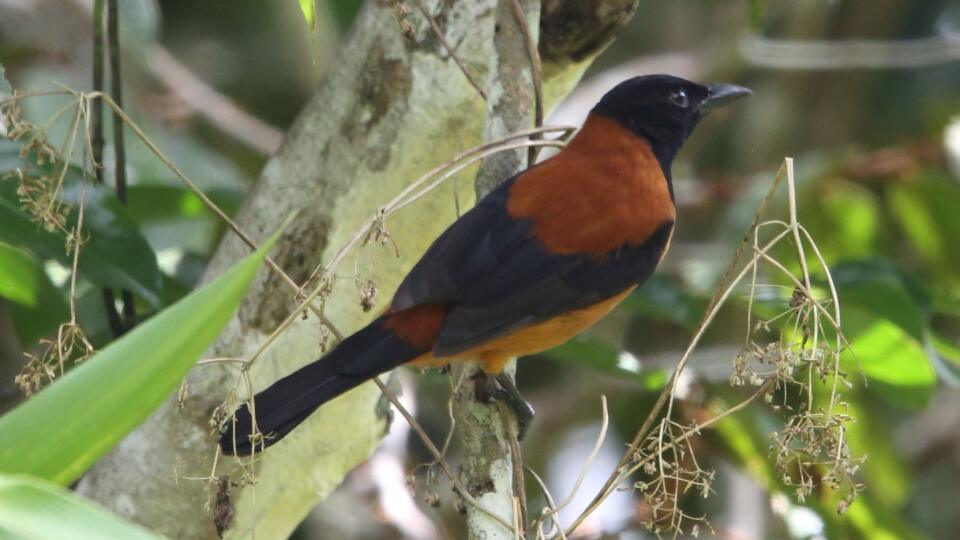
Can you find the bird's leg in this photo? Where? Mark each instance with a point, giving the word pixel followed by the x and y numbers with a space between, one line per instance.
pixel 508 393
pixel 502 388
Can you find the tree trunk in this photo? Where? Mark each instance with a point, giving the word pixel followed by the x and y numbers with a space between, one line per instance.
pixel 490 469
pixel 391 109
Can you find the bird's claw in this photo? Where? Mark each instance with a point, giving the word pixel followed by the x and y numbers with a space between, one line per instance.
pixel 506 391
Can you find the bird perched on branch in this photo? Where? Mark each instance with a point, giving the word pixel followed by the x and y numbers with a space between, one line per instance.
pixel 538 260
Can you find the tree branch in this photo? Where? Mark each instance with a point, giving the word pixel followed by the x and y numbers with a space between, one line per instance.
pixel 388 111
pixel 490 464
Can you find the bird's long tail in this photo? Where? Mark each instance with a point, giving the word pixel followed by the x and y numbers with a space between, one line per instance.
pixel 387 342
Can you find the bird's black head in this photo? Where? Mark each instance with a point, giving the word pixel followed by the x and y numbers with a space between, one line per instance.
pixel 664 109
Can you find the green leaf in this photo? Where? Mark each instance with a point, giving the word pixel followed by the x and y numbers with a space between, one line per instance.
pixel 21 276
pixel 745 437
pixel 845 219
pixel 33 509
pixel 158 202
pixel 927 212
pixel 884 318
pixel 887 476
pixel 64 429
pixel 35 303
pixel 115 253
pixel 308 7
pixel 595 353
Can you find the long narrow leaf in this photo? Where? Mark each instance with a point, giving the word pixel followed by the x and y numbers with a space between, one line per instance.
pixel 64 429
pixel 37 510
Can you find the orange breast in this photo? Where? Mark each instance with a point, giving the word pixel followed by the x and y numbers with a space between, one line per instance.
pixel 533 339
pixel 604 190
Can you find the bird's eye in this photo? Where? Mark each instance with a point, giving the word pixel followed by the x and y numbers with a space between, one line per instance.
pixel 679 98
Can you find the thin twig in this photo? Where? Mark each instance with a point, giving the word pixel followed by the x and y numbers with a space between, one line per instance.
pixel 119 148
pixel 536 69
pixel 667 392
pixel 96 149
pixel 212 206
pixel 365 229
pixel 550 511
pixel 436 454
pixel 443 40
pixel 593 455
pixel 96 125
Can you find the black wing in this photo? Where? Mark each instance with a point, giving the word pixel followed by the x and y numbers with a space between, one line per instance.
pixel 497 277
pixel 465 254
pixel 535 285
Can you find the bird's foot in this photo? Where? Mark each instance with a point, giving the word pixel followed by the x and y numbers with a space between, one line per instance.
pixel 502 388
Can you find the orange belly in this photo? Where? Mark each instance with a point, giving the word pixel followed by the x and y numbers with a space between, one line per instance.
pixel 532 339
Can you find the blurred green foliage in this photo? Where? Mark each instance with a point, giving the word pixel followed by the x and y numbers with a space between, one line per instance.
pixel 876 192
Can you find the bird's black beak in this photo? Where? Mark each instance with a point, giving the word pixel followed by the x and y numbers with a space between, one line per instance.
pixel 722 94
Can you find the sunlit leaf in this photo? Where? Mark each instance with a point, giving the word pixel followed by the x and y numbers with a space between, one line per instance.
pixel 37 307
pixel 115 253
pixel 884 318
pixel 64 429
pixel 844 218
pixel 33 509
pixel 309 7
pixel 21 276
pixel 926 210
pixel 885 472
pixel 155 202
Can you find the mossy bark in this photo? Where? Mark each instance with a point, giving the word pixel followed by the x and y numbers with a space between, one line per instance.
pixel 391 109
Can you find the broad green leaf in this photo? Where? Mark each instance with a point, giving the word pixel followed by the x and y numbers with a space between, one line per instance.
pixel 844 218
pixel 156 202
pixel 60 432
pixel 115 253
pixel 21 277
pixel 927 212
pixel 883 317
pixel 33 509
pixel 36 305
pixel 595 353
pixel 885 473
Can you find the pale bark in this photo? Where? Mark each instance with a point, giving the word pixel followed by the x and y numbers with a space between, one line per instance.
pixel 390 110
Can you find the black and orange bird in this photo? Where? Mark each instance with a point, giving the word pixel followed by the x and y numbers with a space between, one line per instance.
pixel 538 260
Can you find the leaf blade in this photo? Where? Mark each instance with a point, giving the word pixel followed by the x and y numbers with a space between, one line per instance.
pixel 60 432
pixel 32 508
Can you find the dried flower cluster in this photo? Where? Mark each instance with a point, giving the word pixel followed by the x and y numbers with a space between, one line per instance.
pixel 38 190
pixel 669 463
pixel 41 369
pixel 801 368
pixel 40 182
